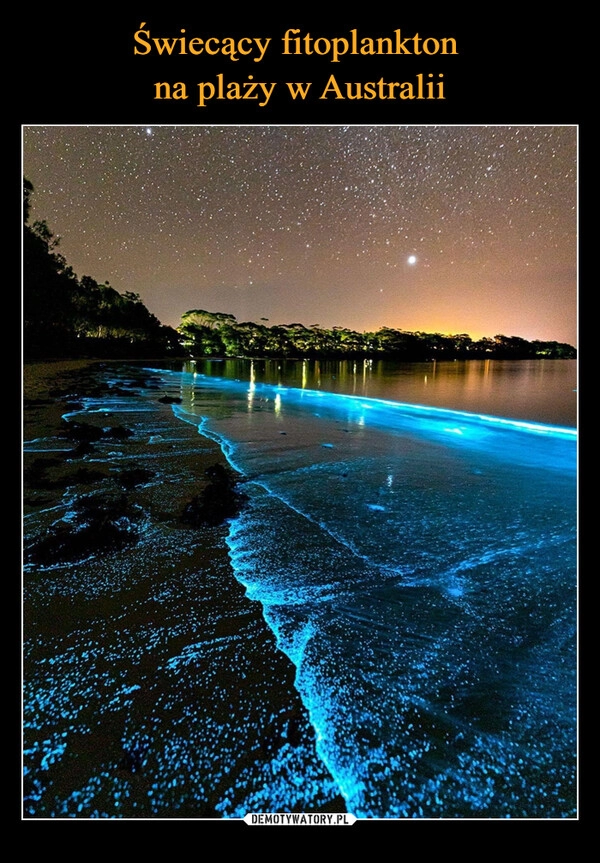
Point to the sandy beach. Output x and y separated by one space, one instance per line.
152 686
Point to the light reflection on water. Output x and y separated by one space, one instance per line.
417 564
539 390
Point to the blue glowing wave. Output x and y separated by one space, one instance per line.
418 566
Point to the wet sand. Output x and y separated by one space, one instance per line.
153 686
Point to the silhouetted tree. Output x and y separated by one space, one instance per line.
67 316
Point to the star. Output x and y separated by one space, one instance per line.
320 218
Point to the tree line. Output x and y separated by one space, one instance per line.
208 334
68 316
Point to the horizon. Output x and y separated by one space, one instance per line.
439 229
267 323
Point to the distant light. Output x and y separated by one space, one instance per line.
411 260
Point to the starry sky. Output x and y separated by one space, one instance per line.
448 229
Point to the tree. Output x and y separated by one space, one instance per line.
48 284
67 316
202 318
27 193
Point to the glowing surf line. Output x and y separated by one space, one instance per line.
368 402
349 788
227 449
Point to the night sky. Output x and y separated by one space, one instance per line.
449 229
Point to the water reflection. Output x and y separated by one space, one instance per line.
417 565
539 390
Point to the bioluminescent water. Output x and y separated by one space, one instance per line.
153 687
418 566
411 571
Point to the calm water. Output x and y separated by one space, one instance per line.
544 391
411 536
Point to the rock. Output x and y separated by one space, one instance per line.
81 432
132 477
118 432
218 501
99 523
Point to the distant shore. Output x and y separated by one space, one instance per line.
153 686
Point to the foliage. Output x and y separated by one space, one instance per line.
64 315
219 334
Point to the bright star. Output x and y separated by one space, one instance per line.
411 260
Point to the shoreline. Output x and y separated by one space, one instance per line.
153 685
